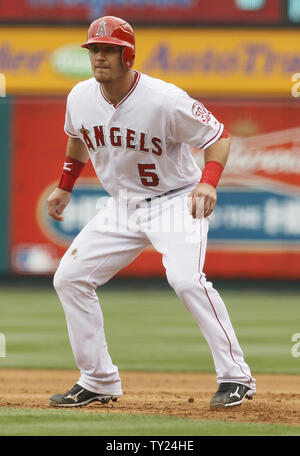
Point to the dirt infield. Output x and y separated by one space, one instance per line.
184 395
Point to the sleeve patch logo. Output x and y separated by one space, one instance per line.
199 112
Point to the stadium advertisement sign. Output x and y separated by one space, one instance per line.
255 228
216 61
183 11
265 210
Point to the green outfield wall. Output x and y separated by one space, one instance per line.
5 153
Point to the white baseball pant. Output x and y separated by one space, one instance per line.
112 240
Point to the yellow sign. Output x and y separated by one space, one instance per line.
222 62
43 60
201 61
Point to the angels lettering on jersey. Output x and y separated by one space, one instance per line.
142 143
99 136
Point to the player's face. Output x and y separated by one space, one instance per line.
106 62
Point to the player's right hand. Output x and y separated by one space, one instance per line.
57 202
202 200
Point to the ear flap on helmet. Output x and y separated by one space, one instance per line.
127 56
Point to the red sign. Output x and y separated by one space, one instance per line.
161 11
38 154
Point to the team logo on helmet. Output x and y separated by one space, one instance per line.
101 29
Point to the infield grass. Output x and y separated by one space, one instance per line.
150 330
28 422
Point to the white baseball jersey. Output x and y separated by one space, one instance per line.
141 144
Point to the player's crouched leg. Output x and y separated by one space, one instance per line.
64 278
209 311
201 299
71 281
86 328
72 286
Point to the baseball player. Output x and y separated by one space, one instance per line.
136 130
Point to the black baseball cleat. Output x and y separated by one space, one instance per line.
231 394
79 396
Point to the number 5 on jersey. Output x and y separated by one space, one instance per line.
148 178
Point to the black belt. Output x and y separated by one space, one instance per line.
167 193
163 194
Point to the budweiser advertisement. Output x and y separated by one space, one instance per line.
255 227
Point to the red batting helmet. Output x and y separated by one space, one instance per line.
113 30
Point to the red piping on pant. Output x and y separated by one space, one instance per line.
214 310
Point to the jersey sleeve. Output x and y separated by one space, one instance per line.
193 124
69 128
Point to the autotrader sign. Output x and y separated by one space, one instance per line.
212 61
223 61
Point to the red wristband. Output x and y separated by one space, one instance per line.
211 173
224 134
71 170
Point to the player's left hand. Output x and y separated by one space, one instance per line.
202 200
